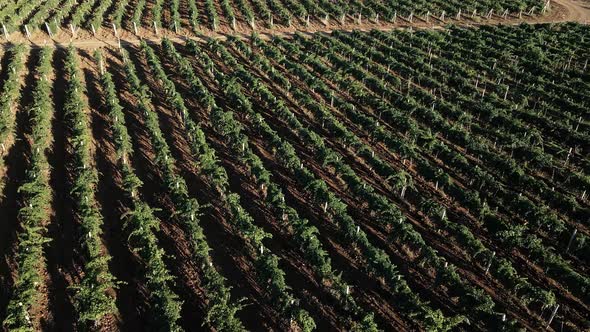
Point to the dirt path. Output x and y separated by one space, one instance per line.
576 10
560 11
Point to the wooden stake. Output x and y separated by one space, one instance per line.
48 30
546 7
135 28
568 156
27 31
490 262
5 31
552 316
115 30
569 244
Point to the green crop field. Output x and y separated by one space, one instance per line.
386 176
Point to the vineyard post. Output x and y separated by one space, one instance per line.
233 23
474 13
93 30
394 17
520 14
411 17
377 19
490 13
175 27
5 31
567 158
342 19
531 11
48 30
360 18
546 7
427 17
155 27
552 316
458 14
506 93
569 244
505 14
135 29
307 21
442 16
490 262
115 30
27 31
73 30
